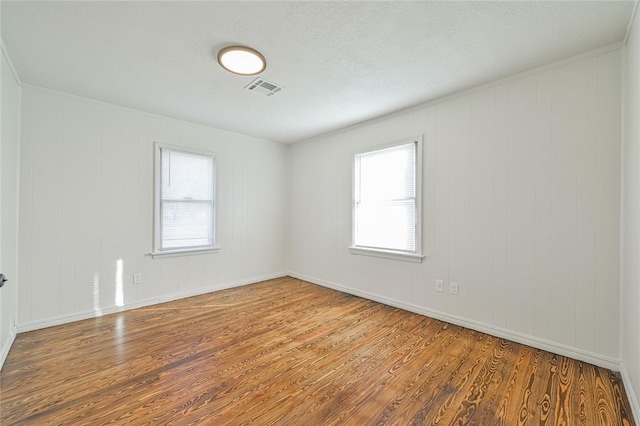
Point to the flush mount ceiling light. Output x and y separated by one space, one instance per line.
241 60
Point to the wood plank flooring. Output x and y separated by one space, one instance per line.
288 352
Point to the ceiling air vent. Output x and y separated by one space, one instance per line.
260 85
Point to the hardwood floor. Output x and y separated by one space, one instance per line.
288 352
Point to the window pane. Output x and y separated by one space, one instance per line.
388 174
386 225
385 209
186 176
186 224
186 200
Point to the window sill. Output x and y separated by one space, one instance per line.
386 254
186 252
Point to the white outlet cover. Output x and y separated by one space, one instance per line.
453 287
137 278
440 286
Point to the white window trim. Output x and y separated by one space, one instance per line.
416 256
387 254
157 252
183 252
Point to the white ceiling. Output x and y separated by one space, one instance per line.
340 62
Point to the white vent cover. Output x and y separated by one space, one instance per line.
260 85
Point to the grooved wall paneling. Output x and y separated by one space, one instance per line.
86 208
521 206
9 185
630 229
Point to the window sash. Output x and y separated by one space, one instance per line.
185 212
400 232
386 196
177 231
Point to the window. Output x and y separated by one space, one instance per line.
184 200
387 208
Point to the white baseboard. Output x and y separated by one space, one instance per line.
525 339
79 316
576 353
6 347
631 395
586 356
82 315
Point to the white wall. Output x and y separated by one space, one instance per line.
521 208
86 201
630 231
9 172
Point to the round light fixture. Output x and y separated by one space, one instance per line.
241 60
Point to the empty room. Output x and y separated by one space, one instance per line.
320 213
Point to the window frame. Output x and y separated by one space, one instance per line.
415 256
157 210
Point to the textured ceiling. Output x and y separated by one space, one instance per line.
340 62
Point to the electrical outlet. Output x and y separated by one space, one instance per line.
137 278
440 286
453 288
